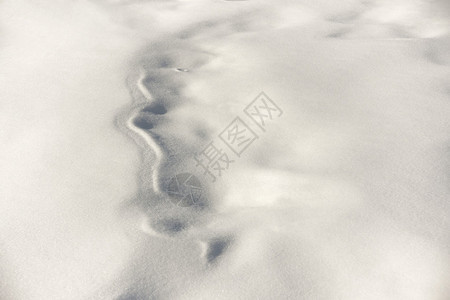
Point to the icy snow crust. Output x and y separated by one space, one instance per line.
104 105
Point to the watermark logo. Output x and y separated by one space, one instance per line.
184 190
213 161
262 110
237 137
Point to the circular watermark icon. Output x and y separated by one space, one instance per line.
184 190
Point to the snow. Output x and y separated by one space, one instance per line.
345 195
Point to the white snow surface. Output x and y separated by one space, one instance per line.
346 195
